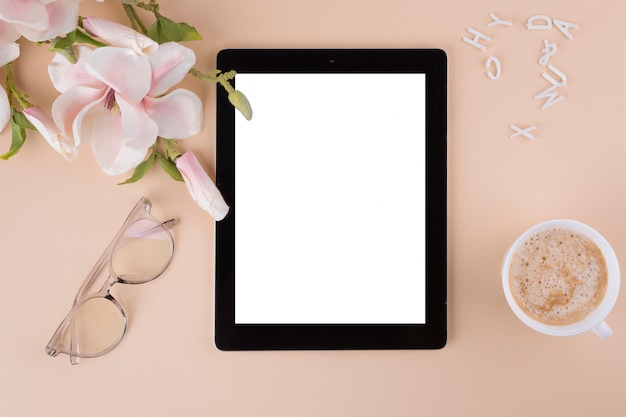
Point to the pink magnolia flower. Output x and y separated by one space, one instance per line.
40 20
202 189
114 96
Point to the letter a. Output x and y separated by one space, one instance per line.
564 27
477 37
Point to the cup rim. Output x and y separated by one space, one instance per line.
600 312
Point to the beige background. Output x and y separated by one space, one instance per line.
57 217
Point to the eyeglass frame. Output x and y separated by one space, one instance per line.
141 211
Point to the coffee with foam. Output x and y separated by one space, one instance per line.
558 276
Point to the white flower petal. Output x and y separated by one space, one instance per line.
65 75
5 109
70 104
27 13
61 18
8 53
119 139
178 114
121 69
50 132
138 128
120 35
8 33
105 131
170 64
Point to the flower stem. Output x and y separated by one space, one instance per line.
13 92
134 18
216 76
151 6
171 149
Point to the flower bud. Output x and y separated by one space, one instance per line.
241 103
202 189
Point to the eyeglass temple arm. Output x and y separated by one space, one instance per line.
74 360
143 204
95 271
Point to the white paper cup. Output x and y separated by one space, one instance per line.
593 321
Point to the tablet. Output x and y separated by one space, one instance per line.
337 232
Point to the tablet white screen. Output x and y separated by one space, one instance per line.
330 199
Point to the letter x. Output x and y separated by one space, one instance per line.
520 131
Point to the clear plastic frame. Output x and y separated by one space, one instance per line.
139 253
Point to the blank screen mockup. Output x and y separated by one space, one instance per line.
330 199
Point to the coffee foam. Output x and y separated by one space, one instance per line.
558 276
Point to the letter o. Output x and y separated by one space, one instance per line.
493 60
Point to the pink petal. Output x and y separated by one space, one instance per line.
5 109
68 105
29 13
50 132
178 114
8 33
65 75
139 130
8 53
122 70
119 139
170 64
120 35
104 128
202 189
61 18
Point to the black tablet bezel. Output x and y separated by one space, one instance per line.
432 334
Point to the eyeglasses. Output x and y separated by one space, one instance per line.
139 253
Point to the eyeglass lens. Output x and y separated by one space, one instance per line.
96 326
99 322
143 253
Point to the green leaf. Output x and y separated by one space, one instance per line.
166 30
140 170
59 43
19 136
22 121
170 167
63 45
84 37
